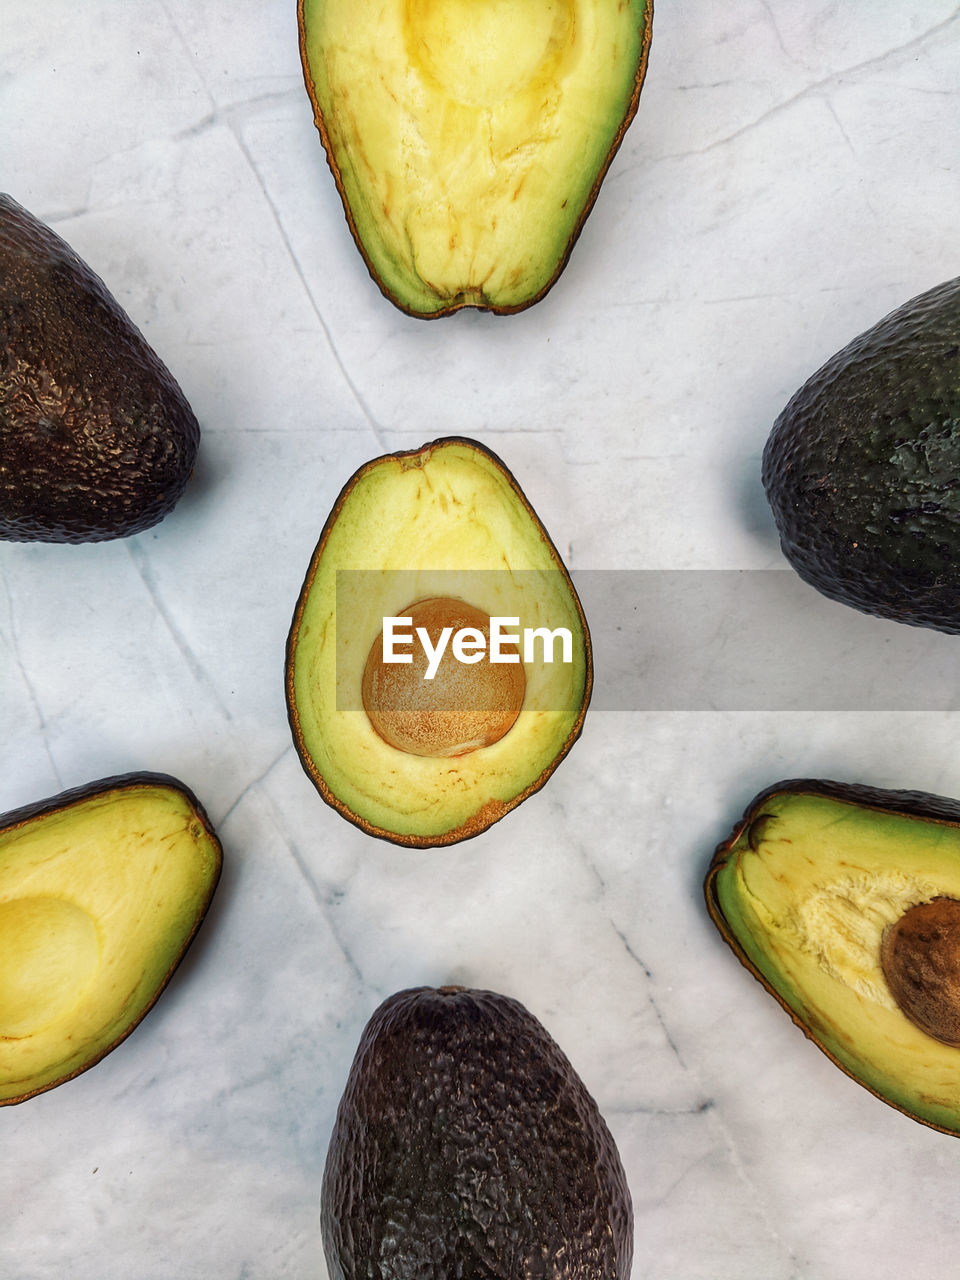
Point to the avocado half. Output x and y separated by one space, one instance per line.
466 1144
844 901
97 440
447 519
861 468
102 889
468 142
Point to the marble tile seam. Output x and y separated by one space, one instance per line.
376 428
59 216
822 87
775 27
321 900
755 1191
10 636
184 44
252 785
201 676
232 432
706 1106
698 1108
652 1001
235 115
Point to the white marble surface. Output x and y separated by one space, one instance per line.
791 176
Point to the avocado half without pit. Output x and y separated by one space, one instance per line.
466 1144
102 889
97 440
439 664
844 901
469 140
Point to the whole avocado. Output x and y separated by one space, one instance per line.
96 438
862 468
466 1146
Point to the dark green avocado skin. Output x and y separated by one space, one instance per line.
96 439
913 804
102 786
862 468
467 1148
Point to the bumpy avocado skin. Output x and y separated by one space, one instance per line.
96 438
466 1145
862 468
40 862
853 857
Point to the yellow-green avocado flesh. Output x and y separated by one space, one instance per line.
803 891
407 525
101 891
469 140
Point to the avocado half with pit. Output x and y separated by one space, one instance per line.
466 1145
102 889
861 468
844 901
469 141
443 537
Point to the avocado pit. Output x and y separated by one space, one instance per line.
465 705
920 958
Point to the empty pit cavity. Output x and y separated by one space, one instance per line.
481 52
50 953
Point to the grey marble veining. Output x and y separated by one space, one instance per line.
790 177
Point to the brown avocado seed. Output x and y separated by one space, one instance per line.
920 958
465 705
